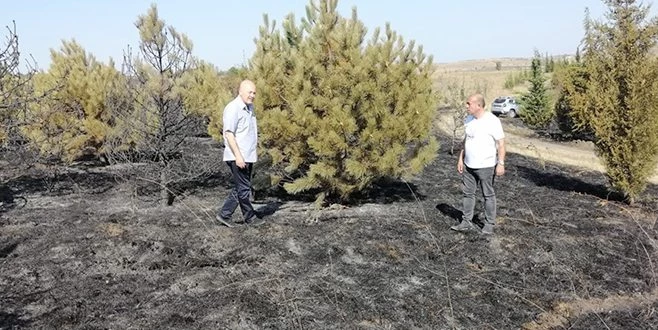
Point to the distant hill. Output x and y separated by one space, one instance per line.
507 63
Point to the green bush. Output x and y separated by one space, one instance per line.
536 112
73 117
516 78
337 112
570 82
616 94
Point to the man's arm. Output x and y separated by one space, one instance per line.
460 162
500 167
233 144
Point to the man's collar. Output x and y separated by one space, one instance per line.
241 103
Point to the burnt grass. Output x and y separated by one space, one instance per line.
87 251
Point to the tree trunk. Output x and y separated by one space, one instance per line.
166 195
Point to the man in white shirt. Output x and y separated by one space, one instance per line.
482 159
240 141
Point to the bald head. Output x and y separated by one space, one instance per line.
478 99
475 105
247 91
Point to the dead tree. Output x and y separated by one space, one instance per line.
15 88
155 113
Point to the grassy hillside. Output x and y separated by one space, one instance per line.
482 76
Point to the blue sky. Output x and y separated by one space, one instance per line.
223 31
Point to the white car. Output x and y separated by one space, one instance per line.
505 105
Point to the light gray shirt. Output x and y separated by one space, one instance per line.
241 120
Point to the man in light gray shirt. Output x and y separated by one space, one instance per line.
240 141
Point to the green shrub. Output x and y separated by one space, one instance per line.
337 112
619 100
516 78
536 112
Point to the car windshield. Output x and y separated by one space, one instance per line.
500 100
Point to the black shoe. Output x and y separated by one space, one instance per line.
254 221
225 222
463 226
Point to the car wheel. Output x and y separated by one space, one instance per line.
512 113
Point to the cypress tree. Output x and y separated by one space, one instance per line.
620 103
571 82
551 65
535 110
339 112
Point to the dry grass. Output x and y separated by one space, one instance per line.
507 63
481 76
563 312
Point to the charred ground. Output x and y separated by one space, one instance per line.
88 251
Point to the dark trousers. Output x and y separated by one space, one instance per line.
240 193
484 178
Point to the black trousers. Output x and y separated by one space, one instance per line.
241 193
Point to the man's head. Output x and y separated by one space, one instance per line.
247 91
475 105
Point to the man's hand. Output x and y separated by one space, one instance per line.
233 144
240 162
460 162
500 170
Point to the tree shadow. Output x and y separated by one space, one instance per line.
563 182
387 191
6 197
60 184
11 321
268 209
213 180
450 211
457 215
383 191
6 251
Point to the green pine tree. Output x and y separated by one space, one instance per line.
73 118
551 64
204 90
339 112
620 102
536 112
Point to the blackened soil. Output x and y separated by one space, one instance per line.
85 252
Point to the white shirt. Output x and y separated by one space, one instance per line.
241 120
480 140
